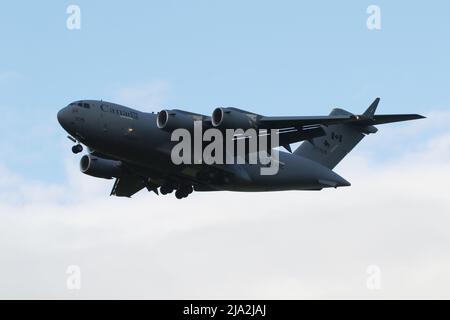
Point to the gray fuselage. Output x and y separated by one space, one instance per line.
131 136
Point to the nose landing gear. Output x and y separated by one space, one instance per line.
76 148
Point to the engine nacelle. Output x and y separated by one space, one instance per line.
100 168
169 120
228 118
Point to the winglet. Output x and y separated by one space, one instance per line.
370 112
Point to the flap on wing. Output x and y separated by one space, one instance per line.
293 135
127 186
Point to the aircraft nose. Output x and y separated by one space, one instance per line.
63 117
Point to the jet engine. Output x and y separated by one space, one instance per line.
169 120
99 167
231 118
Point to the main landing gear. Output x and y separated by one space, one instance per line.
182 191
165 190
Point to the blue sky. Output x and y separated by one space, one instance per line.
275 58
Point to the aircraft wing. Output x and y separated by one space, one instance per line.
387 118
309 121
127 186
285 122
290 135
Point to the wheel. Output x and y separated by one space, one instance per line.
179 194
77 148
165 190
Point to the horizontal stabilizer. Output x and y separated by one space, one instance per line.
342 136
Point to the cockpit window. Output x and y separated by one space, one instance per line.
81 105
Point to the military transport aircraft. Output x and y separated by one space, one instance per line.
135 147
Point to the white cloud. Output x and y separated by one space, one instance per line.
395 215
146 97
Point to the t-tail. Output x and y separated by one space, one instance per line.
340 139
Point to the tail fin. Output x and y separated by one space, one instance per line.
370 112
340 139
